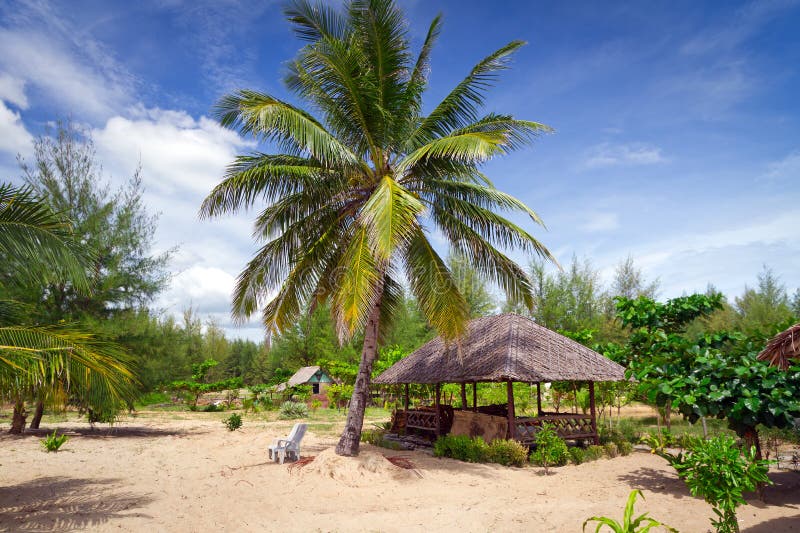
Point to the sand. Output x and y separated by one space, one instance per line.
194 475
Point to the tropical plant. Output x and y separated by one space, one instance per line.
52 443
462 447
720 472
507 452
640 524
290 410
551 450
38 361
354 195
233 422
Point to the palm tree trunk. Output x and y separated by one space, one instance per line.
37 415
18 419
351 436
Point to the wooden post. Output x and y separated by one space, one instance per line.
406 398
512 425
463 396
594 413
474 397
538 399
438 408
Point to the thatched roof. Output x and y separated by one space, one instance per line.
500 348
782 347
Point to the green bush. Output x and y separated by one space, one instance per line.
508 453
720 472
551 450
577 455
51 443
462 447
152 398
290 410
593 453
233 422
611 449
630 430
213 408
625 448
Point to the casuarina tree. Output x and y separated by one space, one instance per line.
361 179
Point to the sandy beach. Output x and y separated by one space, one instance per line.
153 473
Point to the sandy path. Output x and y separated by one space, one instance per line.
196 476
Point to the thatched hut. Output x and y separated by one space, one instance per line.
504 348
783 347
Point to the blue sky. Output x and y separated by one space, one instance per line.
677 124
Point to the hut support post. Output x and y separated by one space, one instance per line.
438 407
538 399
474 397
406 397
594 413
463 396
512 426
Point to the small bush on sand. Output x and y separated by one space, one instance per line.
611 450
625 448
551 450
577 455
593 453
461 447
233 422
290 410
51 443
508 453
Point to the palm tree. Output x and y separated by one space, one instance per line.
353 197
49 362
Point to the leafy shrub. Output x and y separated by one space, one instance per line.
610 435
339 395
611 449
290 410
551 450
720 472
630 430
51 443
640 524
462 447
657 441
625 448
213 408
593 453
233 422
315 404
577 455
508 453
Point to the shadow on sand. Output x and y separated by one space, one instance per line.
66 504
654 480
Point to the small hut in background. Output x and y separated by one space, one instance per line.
508 349
783 347
314 376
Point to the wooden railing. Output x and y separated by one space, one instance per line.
425 420
567 426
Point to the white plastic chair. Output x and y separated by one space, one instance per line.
290 445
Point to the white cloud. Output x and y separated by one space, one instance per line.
14 138
12 90
600 222
209 288
787 169
608 154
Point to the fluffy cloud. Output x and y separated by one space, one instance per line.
14 138
608 154
12 90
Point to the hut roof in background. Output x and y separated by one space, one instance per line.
782 347
500 348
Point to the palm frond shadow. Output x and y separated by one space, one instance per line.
67 504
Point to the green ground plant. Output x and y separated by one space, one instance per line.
551 450
720 472
462 447
52 443
508 453
577 455
629 524
593 453
291 410
233 422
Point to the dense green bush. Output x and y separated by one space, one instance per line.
625 448
290 410
233 422
577 455
462 447
593 453
213 408
508 453
551 450
630 430
611 449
